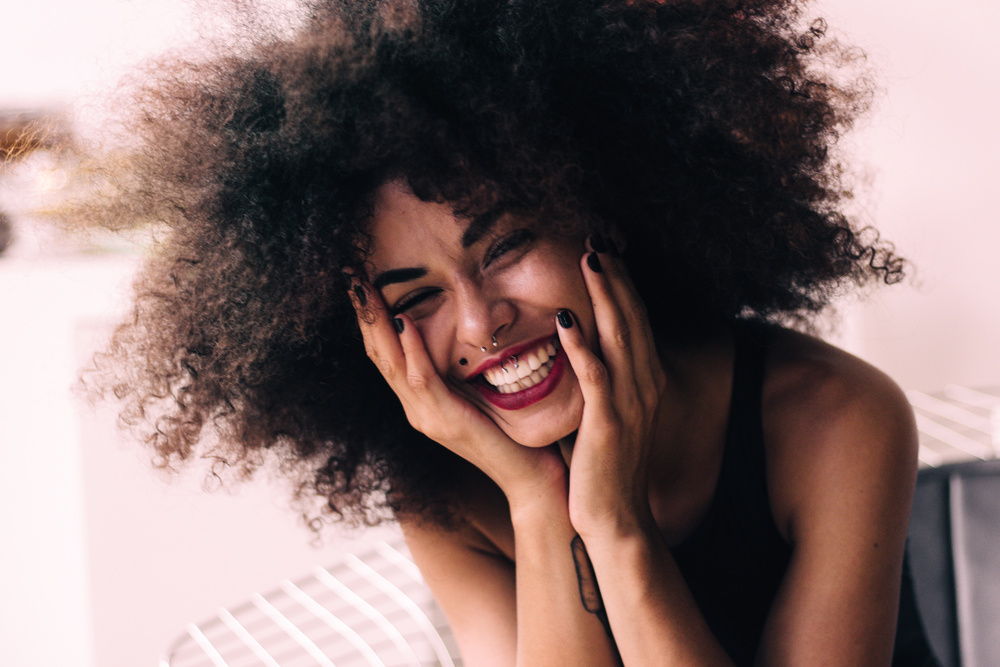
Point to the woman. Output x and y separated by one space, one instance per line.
565 233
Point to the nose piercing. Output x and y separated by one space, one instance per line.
493 340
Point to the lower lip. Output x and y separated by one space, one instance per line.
523 399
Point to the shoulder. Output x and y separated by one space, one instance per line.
839 433
479 523
469 567
841 464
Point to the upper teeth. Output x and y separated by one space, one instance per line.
523 371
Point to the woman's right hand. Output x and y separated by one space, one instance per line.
525 474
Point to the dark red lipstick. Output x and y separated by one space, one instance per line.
526 397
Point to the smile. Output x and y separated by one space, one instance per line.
522 371
522 379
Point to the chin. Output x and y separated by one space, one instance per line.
544 428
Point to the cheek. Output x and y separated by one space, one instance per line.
437 339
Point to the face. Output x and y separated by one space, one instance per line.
462 284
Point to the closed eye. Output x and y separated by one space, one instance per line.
411 301
507 243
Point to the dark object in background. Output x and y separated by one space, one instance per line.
6 232
954 549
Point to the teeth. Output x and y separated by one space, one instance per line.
532 368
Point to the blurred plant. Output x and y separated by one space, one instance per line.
52 182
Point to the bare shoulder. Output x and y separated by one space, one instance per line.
838 431
469 567
481 524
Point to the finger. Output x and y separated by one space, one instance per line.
631 308
421 376
615 333
591 373
620 281
381 341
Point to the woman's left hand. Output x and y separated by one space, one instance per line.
622 390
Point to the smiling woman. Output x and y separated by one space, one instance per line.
567 234
490 297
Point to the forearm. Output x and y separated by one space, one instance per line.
652 613
554 625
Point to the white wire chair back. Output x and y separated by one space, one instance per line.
369 609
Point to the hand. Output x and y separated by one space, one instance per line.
431 407
622 392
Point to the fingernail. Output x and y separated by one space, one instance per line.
360 293
612 248
564 318
597 243
594 263
398 323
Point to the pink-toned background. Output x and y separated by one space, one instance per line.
103 561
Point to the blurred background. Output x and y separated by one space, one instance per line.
105 560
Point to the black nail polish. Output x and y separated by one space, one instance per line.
360 293
564 318
594 263
597 243
463 361
398 323
613 248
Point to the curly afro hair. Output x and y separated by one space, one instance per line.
702 130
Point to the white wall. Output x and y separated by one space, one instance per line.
106 560
103 562
932 147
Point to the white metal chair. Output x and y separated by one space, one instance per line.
371 608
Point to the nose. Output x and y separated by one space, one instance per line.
481 315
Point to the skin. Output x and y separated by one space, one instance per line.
625 453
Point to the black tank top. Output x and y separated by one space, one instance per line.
735 559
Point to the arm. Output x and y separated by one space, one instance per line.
845 467
843 476
628 411
530 614
842 462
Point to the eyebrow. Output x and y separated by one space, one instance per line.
480 225
397 276
477 229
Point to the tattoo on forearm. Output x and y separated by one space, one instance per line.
590 593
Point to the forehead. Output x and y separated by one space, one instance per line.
402 224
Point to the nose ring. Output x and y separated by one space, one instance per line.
493 339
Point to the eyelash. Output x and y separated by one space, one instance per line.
513 240
498 249
410 302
